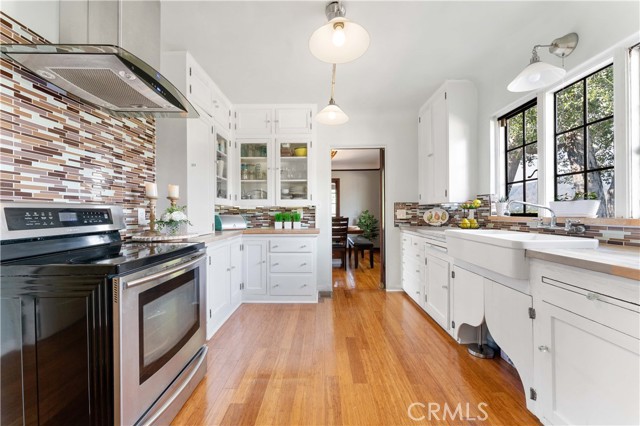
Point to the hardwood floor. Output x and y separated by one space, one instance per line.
360 358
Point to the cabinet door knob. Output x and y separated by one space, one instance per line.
303 285
264 261
592 296
228 269
543 348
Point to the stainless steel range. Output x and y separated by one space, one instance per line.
96 330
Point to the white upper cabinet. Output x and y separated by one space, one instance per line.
446 147
253 121
221 108
199 89
223 166
260 120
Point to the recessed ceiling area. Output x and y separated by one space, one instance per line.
356 159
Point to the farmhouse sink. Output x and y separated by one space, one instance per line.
503 251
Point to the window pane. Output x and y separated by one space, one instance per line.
514 165
532 195
531 123
568 186
514 192
569 107
600 95
600 145
570 152
514 131
531 161
602 183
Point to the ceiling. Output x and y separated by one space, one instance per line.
356 159
257 52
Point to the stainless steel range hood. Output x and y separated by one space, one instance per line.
106 76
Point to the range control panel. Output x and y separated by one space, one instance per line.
23 218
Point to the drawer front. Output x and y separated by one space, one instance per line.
291 245
291 263
292 285
613 313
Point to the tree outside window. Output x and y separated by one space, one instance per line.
584 140
521 152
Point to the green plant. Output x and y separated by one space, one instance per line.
286 217
369 225
172 218
503 199
297 217
277 217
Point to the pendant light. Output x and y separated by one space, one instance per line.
540 74
332 115
340 40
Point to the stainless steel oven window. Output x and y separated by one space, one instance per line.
169 316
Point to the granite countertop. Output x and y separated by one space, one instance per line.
223 235
620 261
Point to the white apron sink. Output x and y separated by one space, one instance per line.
503 251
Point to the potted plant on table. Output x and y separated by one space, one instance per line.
286 220
277 224
583 204
297 218
172 219
369 225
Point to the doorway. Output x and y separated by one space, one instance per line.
357 187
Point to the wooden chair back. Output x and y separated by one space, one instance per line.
339 228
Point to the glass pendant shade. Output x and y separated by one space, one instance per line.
339 41
535 76
332 115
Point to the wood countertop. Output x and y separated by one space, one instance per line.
224 235
620 261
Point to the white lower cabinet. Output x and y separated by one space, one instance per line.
223 282
413 281
436 302
586 346
467 305
280 269
255 267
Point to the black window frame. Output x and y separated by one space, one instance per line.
527 210
584 127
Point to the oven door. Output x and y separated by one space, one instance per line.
159 326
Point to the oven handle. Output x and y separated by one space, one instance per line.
164 273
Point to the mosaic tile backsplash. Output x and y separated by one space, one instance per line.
606 234
56 148
262 217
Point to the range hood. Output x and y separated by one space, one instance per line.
106 76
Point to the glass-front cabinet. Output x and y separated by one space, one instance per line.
255 177
223 167
293 171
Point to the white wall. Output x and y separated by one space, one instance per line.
39 16
397 132
359 191
600 25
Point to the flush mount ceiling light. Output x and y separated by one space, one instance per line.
540 74
332 115
340 40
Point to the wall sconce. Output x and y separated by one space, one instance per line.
539 74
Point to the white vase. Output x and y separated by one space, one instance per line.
220 166
501 208
286 225
576 208
277 225
297 225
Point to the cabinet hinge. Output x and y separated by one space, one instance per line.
533 395
532 313
453 274
211 129
209 260
241 286
445 192
189 71
241 247
311 144
311 196
445 95
189 88
453 324
209 313
235 126
235 114
419 120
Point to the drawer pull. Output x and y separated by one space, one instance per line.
264 261
228 269
276 285
303 264
543 348
275 264
445 286
303 285
418 270
417 255
274 246
303 246
592 296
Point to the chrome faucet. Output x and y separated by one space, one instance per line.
552 224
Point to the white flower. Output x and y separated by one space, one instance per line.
166 217
178 216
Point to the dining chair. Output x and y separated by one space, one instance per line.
339 227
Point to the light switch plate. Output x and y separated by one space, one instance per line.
142 219
401 214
